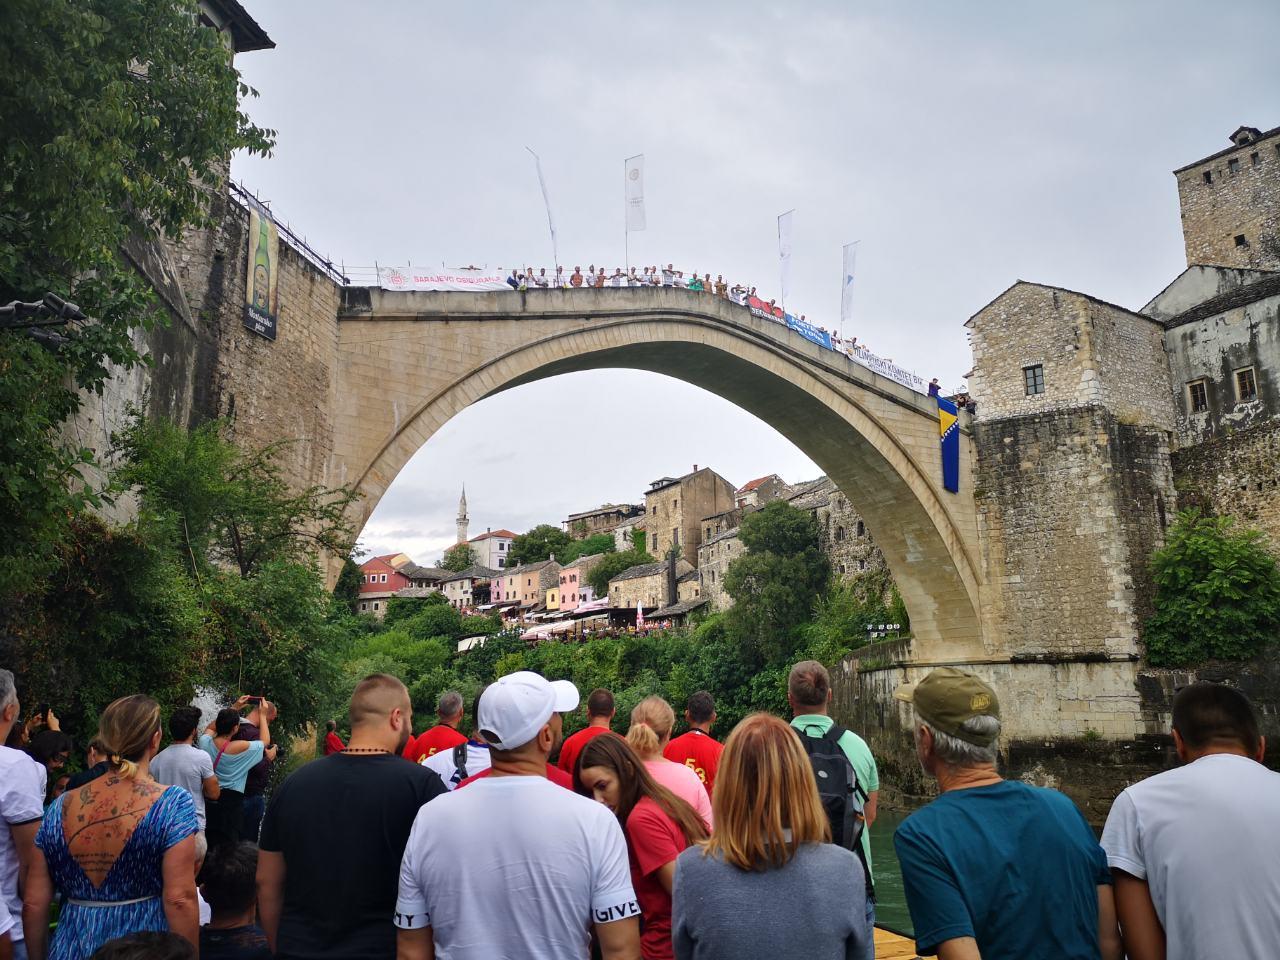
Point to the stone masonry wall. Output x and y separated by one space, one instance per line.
1242 200
272 390
1070 505
1236 474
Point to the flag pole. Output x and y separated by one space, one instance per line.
626 232
546 200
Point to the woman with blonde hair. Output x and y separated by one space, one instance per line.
121 848
652 721
658 825
769 883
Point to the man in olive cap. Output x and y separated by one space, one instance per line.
995 868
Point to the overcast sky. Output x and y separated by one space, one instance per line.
965 146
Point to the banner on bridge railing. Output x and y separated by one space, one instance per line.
426 278
886 369
809 331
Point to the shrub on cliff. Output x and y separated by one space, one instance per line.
1217 593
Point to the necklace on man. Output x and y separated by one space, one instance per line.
366 750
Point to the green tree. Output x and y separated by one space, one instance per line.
1217 593
347 589
776 583
458 557
120 128
402 608
538 544
586 547
612 565
218 505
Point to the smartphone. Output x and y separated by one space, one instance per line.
257 700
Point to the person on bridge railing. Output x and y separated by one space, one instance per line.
515 280
575 279
722 288
560 281
542 280
600 278
695 283
669 276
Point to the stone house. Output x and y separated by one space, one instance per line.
676 506
461 588
762 490
602 519
714 557
718 524
645 584
424 577
622 533
532 581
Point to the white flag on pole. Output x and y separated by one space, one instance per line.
634 191
846 285
546 200
785 222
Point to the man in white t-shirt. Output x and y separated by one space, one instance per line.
1195 851
22 786
186 765
515 866
474 758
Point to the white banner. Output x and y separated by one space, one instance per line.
633 183
546 199
846 286
887 369
785 222
426 278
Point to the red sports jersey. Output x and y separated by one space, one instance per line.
573 745
431 742
698 751
558 777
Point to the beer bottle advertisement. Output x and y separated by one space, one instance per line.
261 304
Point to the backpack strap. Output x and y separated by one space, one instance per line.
460 761
835 733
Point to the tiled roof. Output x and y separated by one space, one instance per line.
1240 297
676 609
748 487
475 572
641 570
726 535
506 534
686 577
415 572
1231 149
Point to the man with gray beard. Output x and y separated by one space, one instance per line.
995 869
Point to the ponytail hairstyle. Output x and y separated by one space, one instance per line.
634 781
652 721
126 729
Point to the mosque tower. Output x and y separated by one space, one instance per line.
462 516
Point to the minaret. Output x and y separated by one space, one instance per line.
462 516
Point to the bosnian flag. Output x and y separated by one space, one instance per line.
639 616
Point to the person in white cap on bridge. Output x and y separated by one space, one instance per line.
514 865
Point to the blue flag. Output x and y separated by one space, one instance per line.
949 432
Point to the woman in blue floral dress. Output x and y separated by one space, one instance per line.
121 848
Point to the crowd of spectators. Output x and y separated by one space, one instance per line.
475 845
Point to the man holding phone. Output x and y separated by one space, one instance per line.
255 787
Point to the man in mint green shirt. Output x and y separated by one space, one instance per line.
809 693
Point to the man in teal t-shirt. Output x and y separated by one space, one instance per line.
809 693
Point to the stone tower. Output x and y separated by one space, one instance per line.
1231 203
463 520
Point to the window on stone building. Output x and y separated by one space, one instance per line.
862 530
1208 176
364 606
1253 158
1198 393
1033 379
375 605
1246 385
675 536
1233 165
840 536
862 564
1241 241
674 504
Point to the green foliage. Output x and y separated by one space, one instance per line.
458 557
612 565
347 589
587 547
114 616
215 504
120 127
433 620
776 583
538 544
1217 593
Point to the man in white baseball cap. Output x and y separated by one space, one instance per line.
554 861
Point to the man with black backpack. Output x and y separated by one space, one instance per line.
463 760
848 782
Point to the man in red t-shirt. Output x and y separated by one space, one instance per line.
332 742
600 712
444 735
696 749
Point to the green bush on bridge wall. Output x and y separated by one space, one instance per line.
1217 593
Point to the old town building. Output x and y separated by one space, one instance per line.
462 588
676 506
647 585
602 519
756 493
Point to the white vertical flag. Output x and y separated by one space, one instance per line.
633 183
546 200
846 284
784 251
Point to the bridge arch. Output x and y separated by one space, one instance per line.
434 355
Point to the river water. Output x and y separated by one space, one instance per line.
891 901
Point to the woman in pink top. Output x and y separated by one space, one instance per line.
651 724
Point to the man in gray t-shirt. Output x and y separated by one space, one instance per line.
186 765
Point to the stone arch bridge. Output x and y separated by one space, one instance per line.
407 362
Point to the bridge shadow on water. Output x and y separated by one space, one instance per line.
891 899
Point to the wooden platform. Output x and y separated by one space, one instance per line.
894 946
